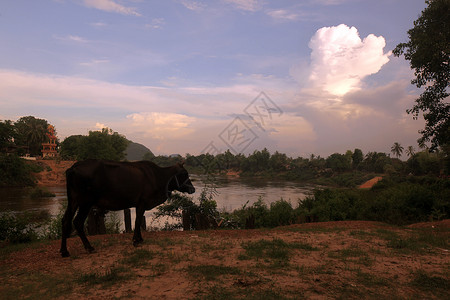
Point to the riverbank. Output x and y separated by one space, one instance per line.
54 172
350 260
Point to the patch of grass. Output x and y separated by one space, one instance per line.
276 251
37 286
352 252
138 258
361 234
218 292
370 280
221 246
312 229
321 269
211 272
158 269
428 283
418 241
7 248
108 278
164 243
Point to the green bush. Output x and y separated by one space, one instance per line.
16 228
280 213
178 203
393 200
14 171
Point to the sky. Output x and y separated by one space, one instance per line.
183 76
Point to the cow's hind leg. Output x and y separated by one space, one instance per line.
83 212
66 229
137 237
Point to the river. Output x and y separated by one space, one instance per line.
232 193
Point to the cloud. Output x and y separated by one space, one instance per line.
186 118
156 23
161 125
100 126
246 5
94 62
99 24
111 6
340 59
283 15
193 5
71 38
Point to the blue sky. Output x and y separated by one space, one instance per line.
299 77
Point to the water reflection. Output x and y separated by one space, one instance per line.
232 193
19 200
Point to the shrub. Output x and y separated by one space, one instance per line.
280 213
14 171
16 228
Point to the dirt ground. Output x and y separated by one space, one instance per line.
54 173
332 260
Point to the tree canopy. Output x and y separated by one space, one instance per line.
428 51
105 144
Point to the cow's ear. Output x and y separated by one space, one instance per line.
181 163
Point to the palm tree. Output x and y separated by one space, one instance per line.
397 149
410 151
31 133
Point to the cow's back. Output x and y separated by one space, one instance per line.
110 185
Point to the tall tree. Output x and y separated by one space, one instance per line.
104 144
30 132
6 134
397 149
428 51
410 151
357 157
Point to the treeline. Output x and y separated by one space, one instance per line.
349 169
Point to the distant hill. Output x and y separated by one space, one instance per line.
136 151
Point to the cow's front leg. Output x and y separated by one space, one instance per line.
137 237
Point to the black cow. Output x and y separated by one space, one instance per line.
112 185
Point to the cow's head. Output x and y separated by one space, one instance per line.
181 181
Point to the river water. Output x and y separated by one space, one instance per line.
232 193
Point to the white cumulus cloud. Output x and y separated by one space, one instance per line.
340 59
161 125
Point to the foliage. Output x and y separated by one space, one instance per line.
428 52
104 144
112 222
14 171
397 149
178 203
16 228
6 134
31 132
54 225
396 201
426 163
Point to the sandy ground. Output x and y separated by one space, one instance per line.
54 173
370 183
347 260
